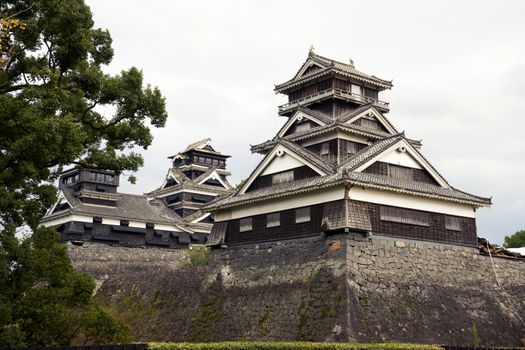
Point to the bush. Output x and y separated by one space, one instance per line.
289 346
199 256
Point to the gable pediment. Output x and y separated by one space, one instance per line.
298 118
279 160
403 154
214 178
373 119
308 68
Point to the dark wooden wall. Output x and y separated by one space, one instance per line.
436 231
263 181
288 228
420 175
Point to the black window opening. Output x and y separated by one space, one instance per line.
245 225
302 215
404 216
370 123
100 177
325 148
452 223
400 172
197 198
71 179
273 220
173 199
282 177
124 222
97 220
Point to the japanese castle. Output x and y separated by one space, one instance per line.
339 165
336 165
90 208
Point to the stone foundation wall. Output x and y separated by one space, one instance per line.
406 290
337 288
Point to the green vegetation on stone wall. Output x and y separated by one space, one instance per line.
289 346
199 256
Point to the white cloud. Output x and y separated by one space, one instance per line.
458 71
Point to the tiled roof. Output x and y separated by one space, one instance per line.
309 156
338 123
345 174
128 207
371 151
415 187
280 190
319 130
332 65
325 118
352 215
199 146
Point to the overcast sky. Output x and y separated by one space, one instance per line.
458 70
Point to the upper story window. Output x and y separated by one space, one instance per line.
302 215
302 127
245 225
356 89
351 147
72 179
285 176
400 172
273 220
370 123
100 177
404 216
452 223
325 148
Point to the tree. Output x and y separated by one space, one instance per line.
52 89
517 240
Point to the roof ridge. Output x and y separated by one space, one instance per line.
352 113
321 161
373 149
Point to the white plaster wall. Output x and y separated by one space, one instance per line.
300 200
410 202
400 158
68 218
278 164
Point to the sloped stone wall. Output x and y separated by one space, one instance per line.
337 288
401 290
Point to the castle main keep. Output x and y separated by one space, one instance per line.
343 232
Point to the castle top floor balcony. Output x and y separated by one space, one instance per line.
332 93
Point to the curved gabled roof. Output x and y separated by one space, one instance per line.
328 66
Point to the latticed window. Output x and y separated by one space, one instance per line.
370 123
404 216
302 215
356 89
452 223
245 224
302 127
351 147
273 220
325 148
285 176
399 172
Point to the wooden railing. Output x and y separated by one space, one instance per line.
332 92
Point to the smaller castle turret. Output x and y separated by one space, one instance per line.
90 208
197 176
